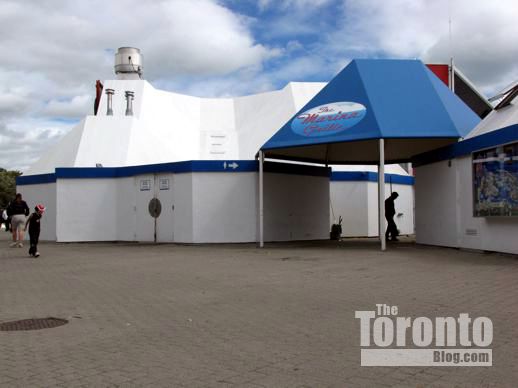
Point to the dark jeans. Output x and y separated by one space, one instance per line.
391 229
34 237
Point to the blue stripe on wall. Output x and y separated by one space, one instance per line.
35 179
359 176
176 167
466 147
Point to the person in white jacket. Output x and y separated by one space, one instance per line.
3 219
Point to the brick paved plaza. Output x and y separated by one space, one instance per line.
234 315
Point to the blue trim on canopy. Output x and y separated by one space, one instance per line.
403 99
370 176
487 140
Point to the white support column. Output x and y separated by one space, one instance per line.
261 199
381 194
452 75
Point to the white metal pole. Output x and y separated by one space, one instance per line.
381 194
261 199
452 75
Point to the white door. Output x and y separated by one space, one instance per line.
165 221
145 225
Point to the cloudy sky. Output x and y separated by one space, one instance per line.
54 50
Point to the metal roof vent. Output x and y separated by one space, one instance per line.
128 63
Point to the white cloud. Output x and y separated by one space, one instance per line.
178 36
285 4
73 108
483 34
53 51
10 102
201 37
22 142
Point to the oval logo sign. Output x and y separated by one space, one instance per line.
328 119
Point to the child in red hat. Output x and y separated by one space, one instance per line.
33 222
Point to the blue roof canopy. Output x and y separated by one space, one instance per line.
401 101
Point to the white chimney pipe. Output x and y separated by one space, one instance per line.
129 102
109 94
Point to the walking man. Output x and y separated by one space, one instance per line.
390 212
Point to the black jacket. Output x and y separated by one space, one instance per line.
18 208
390 209
34 224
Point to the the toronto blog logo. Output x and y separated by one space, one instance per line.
389 339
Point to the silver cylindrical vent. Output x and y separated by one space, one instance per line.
109 109
129 63
129 102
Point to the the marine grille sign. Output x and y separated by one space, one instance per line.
328 119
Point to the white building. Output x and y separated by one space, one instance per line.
467 194
195 155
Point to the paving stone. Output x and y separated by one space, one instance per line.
234 315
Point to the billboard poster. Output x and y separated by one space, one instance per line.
495 181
